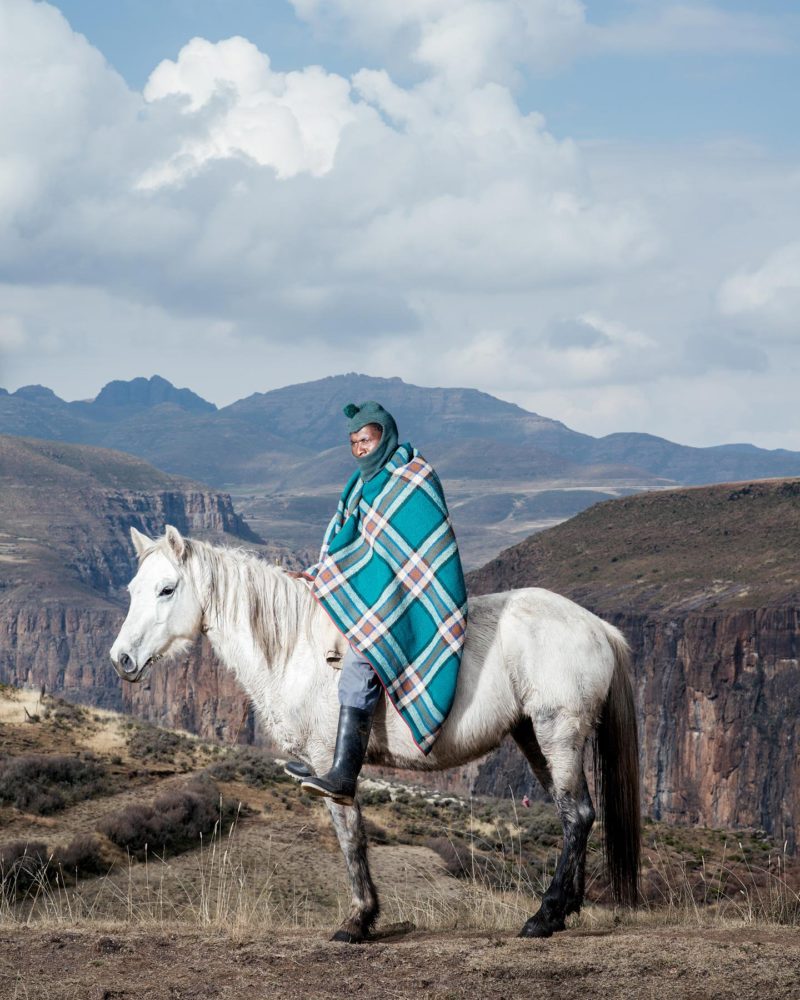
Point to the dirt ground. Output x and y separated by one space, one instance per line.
653 963
151 930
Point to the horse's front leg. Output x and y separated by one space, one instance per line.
349 825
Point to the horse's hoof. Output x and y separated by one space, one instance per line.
533 929
347 937
537 928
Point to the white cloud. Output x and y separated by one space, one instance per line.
769 295
466 42
469 42
289 121
60 108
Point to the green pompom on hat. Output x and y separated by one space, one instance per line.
371 412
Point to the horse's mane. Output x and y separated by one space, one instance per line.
235 586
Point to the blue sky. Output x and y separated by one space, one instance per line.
590 209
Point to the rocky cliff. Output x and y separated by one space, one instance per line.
65 558
705 584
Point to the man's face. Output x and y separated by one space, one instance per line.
363 441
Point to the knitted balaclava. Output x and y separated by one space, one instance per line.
373 413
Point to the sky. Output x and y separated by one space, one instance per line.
591 209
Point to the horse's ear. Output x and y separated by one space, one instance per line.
176 542
140 542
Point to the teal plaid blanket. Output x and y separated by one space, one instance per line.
390 577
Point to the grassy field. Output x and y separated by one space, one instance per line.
118 837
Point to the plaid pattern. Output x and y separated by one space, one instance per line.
390 577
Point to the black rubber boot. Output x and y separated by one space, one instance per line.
352 738
297 769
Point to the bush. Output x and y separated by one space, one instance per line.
40 784
374 796
252 766
462 862
162 745
376 833
23 863
173 823
82 856
64 713
456 856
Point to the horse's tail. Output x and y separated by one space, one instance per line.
616 770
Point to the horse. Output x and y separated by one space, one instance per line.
535 665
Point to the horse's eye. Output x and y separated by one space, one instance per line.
166 592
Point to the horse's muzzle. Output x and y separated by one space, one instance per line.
128 669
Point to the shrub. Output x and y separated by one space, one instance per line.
162 745
23 863
456 856
374 796
252 766
64 713
462 862
376 833
83 856
224 770
40 784
173 823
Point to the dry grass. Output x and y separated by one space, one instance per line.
219 888
17 704
440 862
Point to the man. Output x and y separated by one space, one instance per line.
389 575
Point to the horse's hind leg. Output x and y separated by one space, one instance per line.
554 750
349 825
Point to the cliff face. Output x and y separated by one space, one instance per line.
104 561
704 585
65 559
718 697
61 647
66 649
195 693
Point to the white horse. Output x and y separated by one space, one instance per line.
534 665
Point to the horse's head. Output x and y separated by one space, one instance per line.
165 612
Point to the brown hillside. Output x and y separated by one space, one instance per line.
730 546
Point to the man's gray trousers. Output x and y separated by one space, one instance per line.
359 686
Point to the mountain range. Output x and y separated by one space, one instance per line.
282 454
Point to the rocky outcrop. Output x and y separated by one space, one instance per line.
704 585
